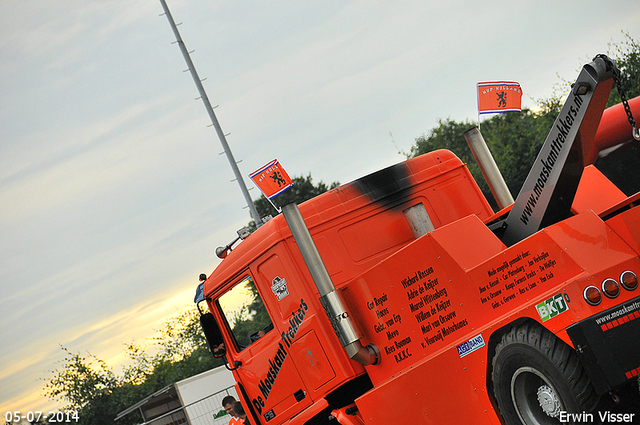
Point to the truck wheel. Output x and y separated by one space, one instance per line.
536 377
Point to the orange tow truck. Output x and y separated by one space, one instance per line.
403 297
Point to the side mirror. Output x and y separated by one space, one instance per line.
213 335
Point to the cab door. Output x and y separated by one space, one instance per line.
295 313
260 352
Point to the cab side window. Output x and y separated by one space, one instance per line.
245 313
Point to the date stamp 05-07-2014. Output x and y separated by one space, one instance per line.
50 417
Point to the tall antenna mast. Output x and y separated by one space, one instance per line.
214 120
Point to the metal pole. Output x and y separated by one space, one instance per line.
418 220
214 120
488 166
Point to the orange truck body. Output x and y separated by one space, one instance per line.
435 306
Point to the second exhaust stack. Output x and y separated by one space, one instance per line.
488 166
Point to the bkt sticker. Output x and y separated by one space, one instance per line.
552 307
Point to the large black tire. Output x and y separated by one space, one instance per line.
536 376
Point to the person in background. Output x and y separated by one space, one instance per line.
227 404
239 411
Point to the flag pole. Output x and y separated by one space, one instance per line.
478 103
274 206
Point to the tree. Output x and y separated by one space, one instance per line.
626 55
87 385
514 141
181 351
303 189
81 380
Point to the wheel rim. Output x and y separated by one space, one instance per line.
534 398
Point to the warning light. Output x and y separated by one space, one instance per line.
629 280
592 295
610 288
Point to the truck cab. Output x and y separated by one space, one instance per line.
354 226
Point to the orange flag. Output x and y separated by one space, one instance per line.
271 179
495 97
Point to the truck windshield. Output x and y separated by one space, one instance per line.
245 313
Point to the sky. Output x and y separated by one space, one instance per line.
113 192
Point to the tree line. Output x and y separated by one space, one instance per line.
88 385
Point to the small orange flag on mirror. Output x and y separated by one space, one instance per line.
271 179
495 97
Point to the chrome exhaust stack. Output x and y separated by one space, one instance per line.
334 306
488 166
